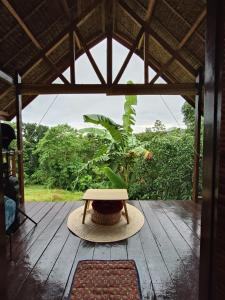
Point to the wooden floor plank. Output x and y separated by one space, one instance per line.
28 226
85 251
186 212
119 250
165 252
102 251
55 285
181 226
29 206
170 256
31 232
183 249
159 273
46 262
25 265
135 252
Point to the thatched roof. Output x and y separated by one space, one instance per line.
34 37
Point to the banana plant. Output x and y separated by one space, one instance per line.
124 147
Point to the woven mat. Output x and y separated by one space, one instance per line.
93 232
106 279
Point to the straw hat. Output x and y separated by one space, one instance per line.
93 232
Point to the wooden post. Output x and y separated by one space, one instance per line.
3 240
212 250
109 60
197 139
109 13
146 43
19 137
72 57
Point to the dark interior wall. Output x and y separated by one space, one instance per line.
212 261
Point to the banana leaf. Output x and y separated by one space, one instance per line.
116 180
115 130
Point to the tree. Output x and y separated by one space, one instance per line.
62 152
159 126
189 116
32 134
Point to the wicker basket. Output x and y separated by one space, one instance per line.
105 219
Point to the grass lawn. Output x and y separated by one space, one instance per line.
41 193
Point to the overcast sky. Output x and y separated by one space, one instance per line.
52 109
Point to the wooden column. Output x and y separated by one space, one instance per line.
212 254
146 47
109 13
109 60
3 240
19 137
197 141
72 57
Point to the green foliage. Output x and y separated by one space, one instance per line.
119 156
32 134
169 176
129 112
116 180
158 126
113 128
58 157
189 116
62 157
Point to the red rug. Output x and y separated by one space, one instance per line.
105 279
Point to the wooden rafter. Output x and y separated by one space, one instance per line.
50 77
60 38
89 55
119 89
136 41
146 50
71 41
182 18
6 78
56 42
109 17
4 115
184 40
30 35
169 78
157 38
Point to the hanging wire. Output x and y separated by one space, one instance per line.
173 116
170 111
48 108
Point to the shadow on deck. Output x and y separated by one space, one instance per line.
166 251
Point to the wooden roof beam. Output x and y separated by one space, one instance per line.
157 38
119 89
181 44
4 116
154 65
30 35
6 78
71 41
109 18
60 38
182 18
89 55
136 41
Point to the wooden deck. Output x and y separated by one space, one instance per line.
166 251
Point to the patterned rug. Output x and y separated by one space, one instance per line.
106 279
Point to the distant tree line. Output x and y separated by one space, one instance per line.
67 158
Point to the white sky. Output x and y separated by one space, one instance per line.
71 108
